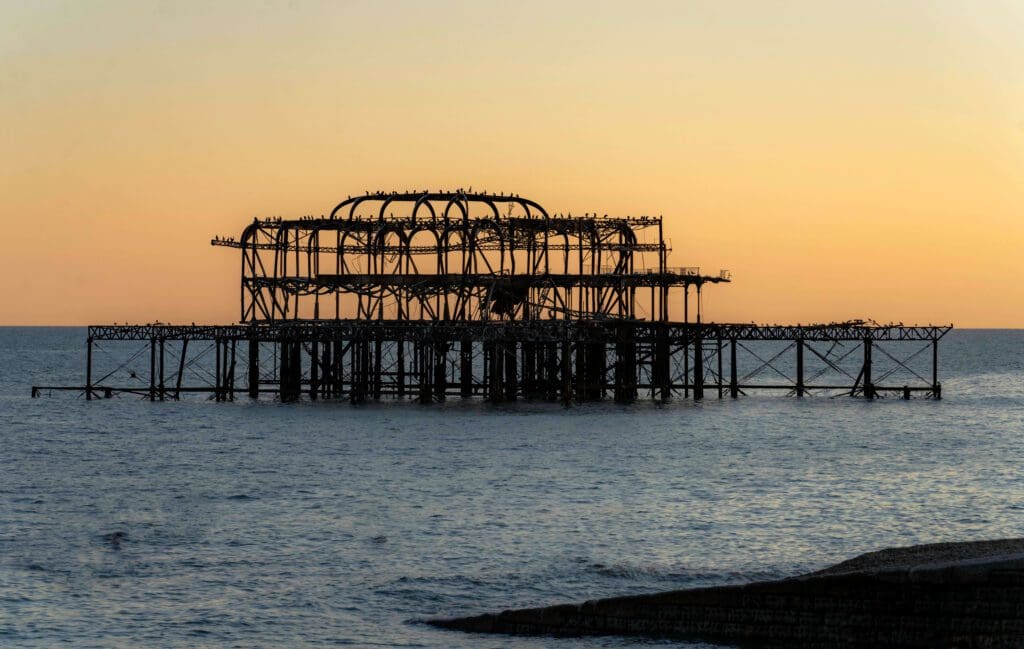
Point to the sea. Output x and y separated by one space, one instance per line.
126 523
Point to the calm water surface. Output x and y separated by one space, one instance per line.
128 523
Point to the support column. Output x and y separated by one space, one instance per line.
466 367
800 367
698 366
734 387
181 369
161 391
869 388
291 371
365 370
217 376
496 356
314 371
662 364
597 366
439 364
529 378
719 351
551 371
326 369
625 365
582 374
511 371
152 369
378 368
88 369
283 371
231 369
423 355
400 366
566 373
936 386
338 365
354 372
254 369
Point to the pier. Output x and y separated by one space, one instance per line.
480 296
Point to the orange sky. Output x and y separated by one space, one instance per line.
844 159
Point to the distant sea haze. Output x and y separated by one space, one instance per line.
125 523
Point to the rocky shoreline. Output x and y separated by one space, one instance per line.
968 595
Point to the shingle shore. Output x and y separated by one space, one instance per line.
967 595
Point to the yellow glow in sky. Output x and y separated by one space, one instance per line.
842 159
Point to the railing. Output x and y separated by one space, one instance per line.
687 271
690 271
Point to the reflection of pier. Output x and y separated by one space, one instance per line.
511 304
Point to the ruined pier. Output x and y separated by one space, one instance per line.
476 295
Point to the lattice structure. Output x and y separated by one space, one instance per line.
457 256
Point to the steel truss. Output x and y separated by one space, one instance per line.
465 294
557 360
456 256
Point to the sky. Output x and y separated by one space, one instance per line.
842 159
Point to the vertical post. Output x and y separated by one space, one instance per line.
799 367
662 388
400 360
936 387
152 369
364 369
485 376
466 368
529 364
511 371
566 373
869 388
254 368
440 368
231 369
424 353
217 371
323 361
719 351
161 390
686 344
597 368
291 371
698 366
88 369
181 369
378 366
339 366
353 372
734 387
314 370
582 354
686 365
497 369
625 364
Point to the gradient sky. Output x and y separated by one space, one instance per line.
853 159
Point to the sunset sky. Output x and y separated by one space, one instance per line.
844 160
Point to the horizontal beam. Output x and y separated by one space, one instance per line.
355 281
519 330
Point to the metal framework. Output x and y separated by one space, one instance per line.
456 256
467 295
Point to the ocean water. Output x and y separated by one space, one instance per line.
125 523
